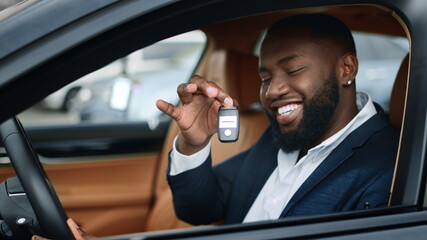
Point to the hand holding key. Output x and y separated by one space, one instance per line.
198 114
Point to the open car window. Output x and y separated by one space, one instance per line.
380 57
125 90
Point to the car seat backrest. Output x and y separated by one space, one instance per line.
398 95
236 73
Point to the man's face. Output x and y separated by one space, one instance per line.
299 90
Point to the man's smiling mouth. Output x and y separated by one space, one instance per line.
287 109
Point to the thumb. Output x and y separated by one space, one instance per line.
169 109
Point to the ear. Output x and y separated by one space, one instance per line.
348 69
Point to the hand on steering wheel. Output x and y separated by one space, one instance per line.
43 199
78 233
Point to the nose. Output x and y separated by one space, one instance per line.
278 87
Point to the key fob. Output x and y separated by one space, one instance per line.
228 124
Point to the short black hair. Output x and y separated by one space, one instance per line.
324 28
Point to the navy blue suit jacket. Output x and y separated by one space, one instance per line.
356 175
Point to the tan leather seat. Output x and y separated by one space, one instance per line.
237 74
398 95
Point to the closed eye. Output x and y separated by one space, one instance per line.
295 71
265 79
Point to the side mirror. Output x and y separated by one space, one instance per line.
120 93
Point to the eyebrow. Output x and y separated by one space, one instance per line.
281 61
287 59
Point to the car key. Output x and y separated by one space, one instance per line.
228 124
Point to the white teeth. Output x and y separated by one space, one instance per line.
287 109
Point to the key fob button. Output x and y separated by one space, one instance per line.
227 132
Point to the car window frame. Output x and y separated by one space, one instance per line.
410 176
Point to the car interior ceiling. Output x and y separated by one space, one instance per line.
230 62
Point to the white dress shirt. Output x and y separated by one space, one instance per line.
289 174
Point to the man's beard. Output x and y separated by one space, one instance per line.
315 121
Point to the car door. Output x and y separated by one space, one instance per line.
74 151
101 152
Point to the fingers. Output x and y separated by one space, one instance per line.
78 233
35 237
185 92
75 229
199 85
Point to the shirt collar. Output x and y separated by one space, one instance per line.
366 110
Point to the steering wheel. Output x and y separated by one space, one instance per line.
43 198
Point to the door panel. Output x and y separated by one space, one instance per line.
107 197
106 191
64 141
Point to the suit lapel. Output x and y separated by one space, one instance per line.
260 163
340 154
335 159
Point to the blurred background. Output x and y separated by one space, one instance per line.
126 89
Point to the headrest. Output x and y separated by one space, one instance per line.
236 73
398 95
